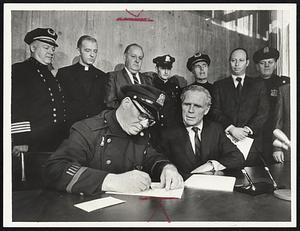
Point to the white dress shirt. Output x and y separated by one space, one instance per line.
131 77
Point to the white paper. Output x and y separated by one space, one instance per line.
155 191
210 182
98 203
243 145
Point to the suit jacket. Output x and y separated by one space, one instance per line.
82 102
176 145
116 80
250 110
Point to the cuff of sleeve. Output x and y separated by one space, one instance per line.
157 169
250 130
228 128
216 165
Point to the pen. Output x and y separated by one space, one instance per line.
248 178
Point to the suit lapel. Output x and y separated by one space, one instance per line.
188 149
205 139
126 77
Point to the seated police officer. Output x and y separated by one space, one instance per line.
38 106
198 64
111 151
170 115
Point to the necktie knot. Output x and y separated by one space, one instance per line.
239 79
195 129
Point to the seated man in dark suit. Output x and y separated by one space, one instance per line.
240 103
130 74
199 145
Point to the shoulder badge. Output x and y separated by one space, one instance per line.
161 99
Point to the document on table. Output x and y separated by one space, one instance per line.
243 145
98 203
155 191
210 182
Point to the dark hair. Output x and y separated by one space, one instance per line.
198 89
239 48
132 45
85 37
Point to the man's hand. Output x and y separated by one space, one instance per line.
170 178
203 168
238 133
18 149
133 181
278 156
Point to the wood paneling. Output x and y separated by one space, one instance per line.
178 33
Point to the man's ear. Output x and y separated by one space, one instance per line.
257 66
247 62
207 110
32 47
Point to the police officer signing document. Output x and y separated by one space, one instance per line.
111 151
38 107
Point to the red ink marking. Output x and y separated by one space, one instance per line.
136 17
160 205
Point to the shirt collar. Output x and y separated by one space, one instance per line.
200 126
129 73
236 76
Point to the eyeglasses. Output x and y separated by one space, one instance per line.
143 115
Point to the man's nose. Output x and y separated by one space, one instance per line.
191 108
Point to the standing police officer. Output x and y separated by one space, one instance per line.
170 115
38 107
265 60
198 64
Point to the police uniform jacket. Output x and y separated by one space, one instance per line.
170 114
116 80
38 107
84 91
98 146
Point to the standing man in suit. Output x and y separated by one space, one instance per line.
199 145
83 84
130 74
38 106
170 115
266 63
198 64
240 103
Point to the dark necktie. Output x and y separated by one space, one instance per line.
135 79
239 86
197 143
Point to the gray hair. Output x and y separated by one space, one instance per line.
198 89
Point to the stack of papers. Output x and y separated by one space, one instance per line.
155 191
210 182
243 145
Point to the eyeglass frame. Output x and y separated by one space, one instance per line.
143 115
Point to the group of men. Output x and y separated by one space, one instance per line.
121 130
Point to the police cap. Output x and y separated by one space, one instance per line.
46 35
197 58
265 53
150 98
165 61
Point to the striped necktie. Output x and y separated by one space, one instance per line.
197 143
135 79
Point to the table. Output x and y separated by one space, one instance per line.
195 205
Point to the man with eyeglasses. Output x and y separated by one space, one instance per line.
129 75
111 151
266 63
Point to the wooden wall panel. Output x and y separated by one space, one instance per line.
179 33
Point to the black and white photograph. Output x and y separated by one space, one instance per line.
149 115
